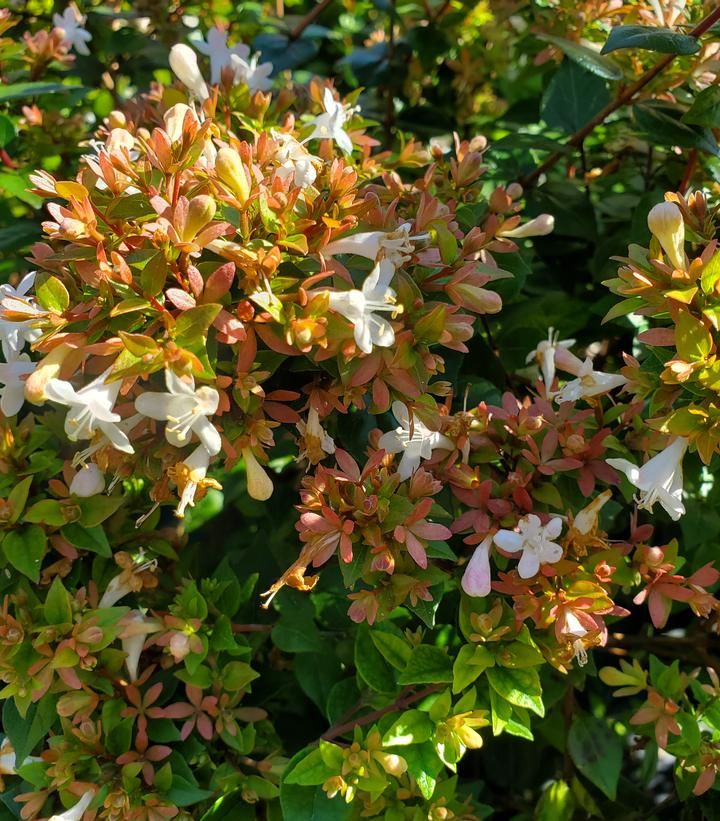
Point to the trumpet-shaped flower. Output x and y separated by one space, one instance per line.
394 246
660 479
316 442
185 410
294 160
76 812
183 62
361 308
215 47
137 627
665 221
71 23
329 124
589 382
413 439
534 540
476 580
553 351
259 484
90 410
190 475
254 74
15 333
12 378
538 227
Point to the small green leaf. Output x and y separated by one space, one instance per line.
394 650
413 727
57 609
87 538
705 109
192 325
597 752
651 38
692 339
24 91
711 274
309 771
7 130
26 732
520 687
24 549
427 665
586 57
18 497
53 295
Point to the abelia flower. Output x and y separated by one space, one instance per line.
539 227
183 62
8 761
394 246
259 484
547 353
90 410
13 374
294 161
361 307
185 409
534 540
18 304
71 23
476 580
190 476
254 74
589 383
134 576
315 440
216 48
660 479
665 221
329 124
136 628
88 481
413 439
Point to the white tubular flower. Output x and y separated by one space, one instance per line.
255 75
535 540
88 481
589 383
538 227
90 410
361 307
414 446
191 474
14 335
71 23
317 444
546 353
665 221
329 125
395 247
216 48
12 378
174 118
128 581
660 479
259 484
587 519
476 580
294 160
185 410
133 637
76 812
183 62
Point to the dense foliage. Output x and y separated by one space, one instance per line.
359 410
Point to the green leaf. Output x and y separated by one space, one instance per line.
692 339
24 549
152 266
427 665
192 325
586 57
597 752
650 38
662 123
237 675
47 512
96 509
370 664
573 98
520 687
424 766
26 732
22 91
88 538
394 649
57 609
470 663
297 633
705 109
413 727
557 803
7 130
53 295
310 770
18 497
710 274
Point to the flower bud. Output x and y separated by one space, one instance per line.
231 171
183 62
259 484
665 222
88 481
174 119
538 227
201 210
479 300
514 190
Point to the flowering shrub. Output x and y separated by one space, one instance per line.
310 506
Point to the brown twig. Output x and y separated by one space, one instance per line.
309 18
689 170
252 628
400 703
624 97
